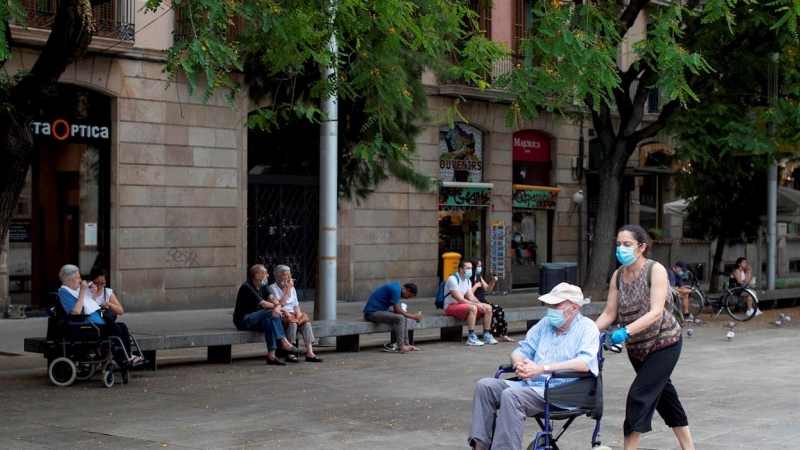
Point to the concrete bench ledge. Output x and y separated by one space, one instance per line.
347 332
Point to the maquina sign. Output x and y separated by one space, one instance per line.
61 130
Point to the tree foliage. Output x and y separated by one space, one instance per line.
383 49
571 53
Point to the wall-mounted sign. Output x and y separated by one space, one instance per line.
89 233
61 130
19 231
461 153
455 198
530 145
534 197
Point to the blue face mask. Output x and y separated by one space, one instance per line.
556 317
479 270
625 255
680 273
264 282
468 274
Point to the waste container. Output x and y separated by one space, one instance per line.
550 274
450 262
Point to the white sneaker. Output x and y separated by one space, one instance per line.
473 341
748 313
489 339
758 312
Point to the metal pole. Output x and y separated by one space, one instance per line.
772 224
772 189
581 234
328 190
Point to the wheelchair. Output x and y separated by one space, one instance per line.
76 348
585 395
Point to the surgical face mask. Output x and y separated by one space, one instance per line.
263 282
626 255
556 317
680 273
468 273
283 283
479 270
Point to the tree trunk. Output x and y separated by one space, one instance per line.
612 170
716 267
71 35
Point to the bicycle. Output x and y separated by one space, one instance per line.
734 300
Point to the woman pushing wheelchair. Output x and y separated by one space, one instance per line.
653 338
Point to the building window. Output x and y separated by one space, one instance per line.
114 19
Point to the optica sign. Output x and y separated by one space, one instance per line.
61 130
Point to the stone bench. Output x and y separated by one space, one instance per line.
347 331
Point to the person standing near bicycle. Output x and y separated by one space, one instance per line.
653 337
741 277
676 282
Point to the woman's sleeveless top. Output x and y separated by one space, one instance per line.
634 302
480 294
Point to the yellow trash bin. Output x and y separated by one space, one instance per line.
450 262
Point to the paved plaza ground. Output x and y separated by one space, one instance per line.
739 394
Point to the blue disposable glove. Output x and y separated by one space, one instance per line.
619 335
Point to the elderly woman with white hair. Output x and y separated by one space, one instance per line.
75 300
294 319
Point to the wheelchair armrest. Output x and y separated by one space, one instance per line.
76 317
571 374
506 368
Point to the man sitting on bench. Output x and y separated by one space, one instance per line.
377 311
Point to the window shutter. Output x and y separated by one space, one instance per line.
519 24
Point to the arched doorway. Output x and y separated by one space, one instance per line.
62 216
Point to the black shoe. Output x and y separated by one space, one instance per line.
313 359
275 362
293 358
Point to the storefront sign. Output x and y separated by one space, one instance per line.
61 130
456 198
20 231
534 197
530 145
461 153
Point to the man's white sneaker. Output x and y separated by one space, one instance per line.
391 348
473 341
489 339
748 313
758 312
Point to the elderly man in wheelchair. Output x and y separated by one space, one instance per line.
560 353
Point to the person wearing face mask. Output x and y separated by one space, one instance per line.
566 340
293 319
676 282
479 289
461 303
653 337
258 310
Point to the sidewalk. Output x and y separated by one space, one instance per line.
739 393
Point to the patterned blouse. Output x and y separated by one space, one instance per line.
634 302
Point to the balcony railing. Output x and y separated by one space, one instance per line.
114 19
183 25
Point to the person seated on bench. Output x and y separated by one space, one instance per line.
676 282
565 341
293 318
257 310
377 311
75 300
461 303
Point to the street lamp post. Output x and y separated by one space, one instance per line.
577 199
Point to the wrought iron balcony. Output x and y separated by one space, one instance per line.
114 19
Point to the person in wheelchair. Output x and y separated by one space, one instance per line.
75 300
565 341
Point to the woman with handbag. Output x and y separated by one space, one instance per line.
293 318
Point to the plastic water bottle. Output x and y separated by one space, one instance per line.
419 311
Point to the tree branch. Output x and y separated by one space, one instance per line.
630 14
69 38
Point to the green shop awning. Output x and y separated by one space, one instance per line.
534 197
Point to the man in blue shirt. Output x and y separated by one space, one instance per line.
676 282
566 340
377 310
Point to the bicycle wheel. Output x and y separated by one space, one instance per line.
695 303
736 303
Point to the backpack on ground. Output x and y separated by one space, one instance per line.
673 303
440 296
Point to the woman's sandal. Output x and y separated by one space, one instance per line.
313 359
505 338
291 358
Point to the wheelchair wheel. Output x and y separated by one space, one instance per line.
539 444
601 447
108 377
62 371
85 371
126 375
